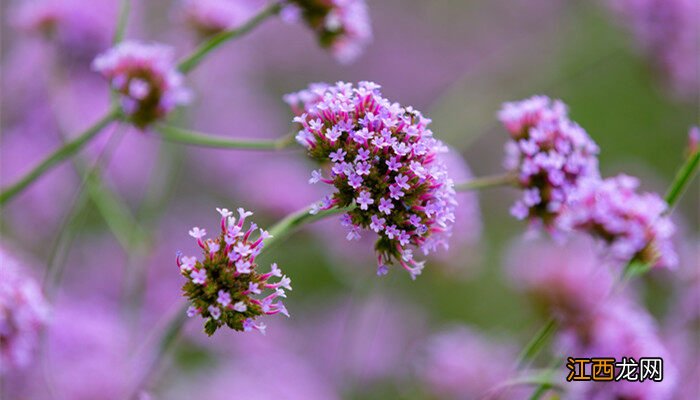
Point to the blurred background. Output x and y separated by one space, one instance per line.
104 252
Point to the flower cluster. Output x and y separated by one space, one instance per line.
145 77
210 17
341 25
633 225
23 312
549 153
225 286
383 160
667 32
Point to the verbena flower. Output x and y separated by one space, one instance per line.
341 25
146 79
225 286
381 157
549 153
210 17
667 33
634 225
23 313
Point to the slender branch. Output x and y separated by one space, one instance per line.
294 221
216 41
537 343
63 153
124 10
180 135
486 182
682 179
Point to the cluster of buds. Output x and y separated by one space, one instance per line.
635 226
341 25
225 286
548 153
23 312
145 77
382 158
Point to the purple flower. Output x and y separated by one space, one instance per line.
548 153
364 116
145 77
210 17
364 200
634 226
341 25
224 296
377 224
23 313
338 155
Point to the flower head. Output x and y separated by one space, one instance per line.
225 286
341 25
384 161
146 79
23 312
210 17
549 154
633 225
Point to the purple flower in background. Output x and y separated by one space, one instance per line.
462 364
145 77
618 329
80 28
341 25
667 32
210 17
221 284
424 201
634 226
549 153
566 279
23 313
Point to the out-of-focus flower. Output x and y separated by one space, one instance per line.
549 153
225 287
23 313
462 364
146 78
383 160
619 329
80 28
566 279
633 225
210 17
693 139
341 25
667 32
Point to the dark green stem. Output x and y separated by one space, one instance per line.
205 140
213 43
124 9
682 179
63 153
292 222
537 343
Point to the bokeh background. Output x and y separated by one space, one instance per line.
105 251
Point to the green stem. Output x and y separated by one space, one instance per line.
294 221
179 135
486 182
682 179
205 48
537 343
124 9
63 153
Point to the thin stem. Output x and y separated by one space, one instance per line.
63 153
682 179
294 221
124 9
205 48
537 343
180 135
486 182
